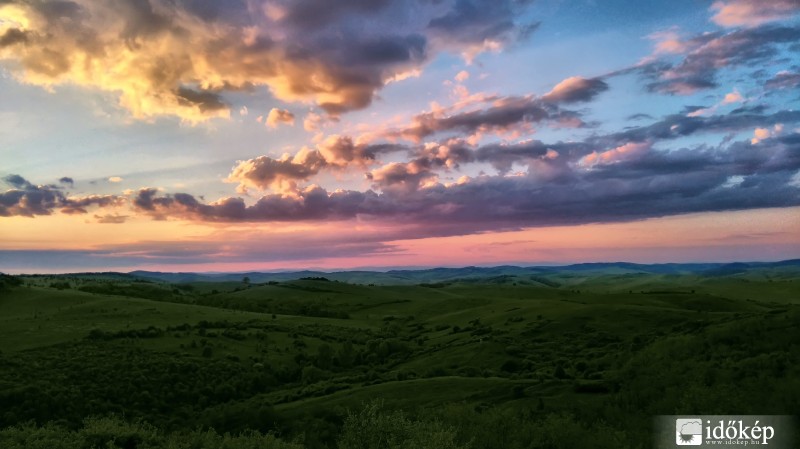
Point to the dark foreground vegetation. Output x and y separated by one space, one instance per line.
553 359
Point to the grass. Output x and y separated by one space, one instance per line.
606 348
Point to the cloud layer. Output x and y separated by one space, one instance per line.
28 200
706 122
181 57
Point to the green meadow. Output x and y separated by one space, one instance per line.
492 358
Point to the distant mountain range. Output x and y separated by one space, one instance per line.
400 277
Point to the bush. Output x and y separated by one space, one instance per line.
373 428
113 432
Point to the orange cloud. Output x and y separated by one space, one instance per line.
280 175
277 116
733 97
760 134
174 58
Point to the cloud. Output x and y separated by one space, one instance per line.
79 204
281 174
575 89
733 97
182 58
761 134
277 116
614 155
639 172
484 113
28 200
111 219
750 13
204 101
502 114
312 122
404 176
705 54
115 179
341 151
680 125
653 183
67 180
428 161
668 42
503 156
784 80
337 240
474 26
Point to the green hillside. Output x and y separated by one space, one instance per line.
317 363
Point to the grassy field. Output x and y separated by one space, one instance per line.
506 360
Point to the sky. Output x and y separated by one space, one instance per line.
202 135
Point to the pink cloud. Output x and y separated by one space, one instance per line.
668 42
620 153
576 88
733 97
751 13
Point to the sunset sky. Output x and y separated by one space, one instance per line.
202 135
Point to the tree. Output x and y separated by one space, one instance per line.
324 356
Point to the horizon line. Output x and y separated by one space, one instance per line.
386 269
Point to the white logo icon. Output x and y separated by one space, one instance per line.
689 432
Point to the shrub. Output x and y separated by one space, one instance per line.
374 428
